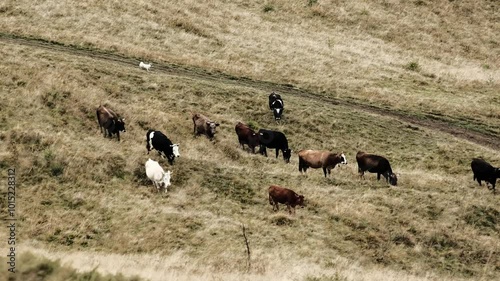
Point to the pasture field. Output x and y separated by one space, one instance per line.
374 76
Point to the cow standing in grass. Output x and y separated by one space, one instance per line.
157 140
204 126
320 159
278 194
274 139
157 175
484 171
276 105
375 164
246 136
109 122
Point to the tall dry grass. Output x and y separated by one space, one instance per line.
349 49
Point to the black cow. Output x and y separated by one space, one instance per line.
274 139
375 164
484 171
157 140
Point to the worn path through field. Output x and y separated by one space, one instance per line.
488 140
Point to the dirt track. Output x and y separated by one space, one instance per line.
492 141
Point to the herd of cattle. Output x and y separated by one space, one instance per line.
112 124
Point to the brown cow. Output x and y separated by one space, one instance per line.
320 159
247 136
111 122
204 126
278 194
375 164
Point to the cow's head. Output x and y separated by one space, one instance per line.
343 159
175 150
287 153
393 179
120 125
497 173
299 200
166 180
277 113
211 127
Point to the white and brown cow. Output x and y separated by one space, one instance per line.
204 126
320 159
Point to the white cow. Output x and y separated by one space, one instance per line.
145 65
156 174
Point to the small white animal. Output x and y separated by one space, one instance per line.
156 174
145 65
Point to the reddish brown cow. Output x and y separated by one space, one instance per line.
285 196
204 126
320 159
247 136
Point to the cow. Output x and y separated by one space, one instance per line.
157 140
109 122
484 171
157 175
274 139
278 194
246 136
375 164
204 126
272 97
146 66
276 105
320 159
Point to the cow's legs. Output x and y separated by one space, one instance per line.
324 171
479 181
118 135
361 173
263 150
277 152
378 176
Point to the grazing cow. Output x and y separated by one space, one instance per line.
320 159
278 194
274 139
484 171
277 106
156 174
204 126
273 97
110 122
146 66
375 164
157 140
247 136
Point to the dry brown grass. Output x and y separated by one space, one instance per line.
350 49
84 198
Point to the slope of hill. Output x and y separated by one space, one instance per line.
81 192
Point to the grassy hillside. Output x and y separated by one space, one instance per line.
431 58
79 192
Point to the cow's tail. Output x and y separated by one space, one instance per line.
271 201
